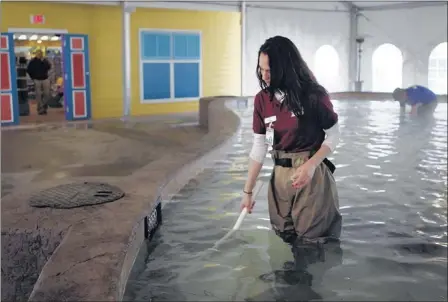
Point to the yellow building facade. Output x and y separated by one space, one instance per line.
220 48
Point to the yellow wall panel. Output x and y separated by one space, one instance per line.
106 61
221 45
221 53
103 26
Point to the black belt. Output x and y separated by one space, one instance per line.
283 162
287 163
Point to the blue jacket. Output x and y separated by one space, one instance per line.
420 95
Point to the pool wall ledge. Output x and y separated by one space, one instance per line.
371 96
94 259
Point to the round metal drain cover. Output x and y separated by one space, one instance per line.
76 195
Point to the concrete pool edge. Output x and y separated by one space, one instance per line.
95 256
371 96
223 125
215 115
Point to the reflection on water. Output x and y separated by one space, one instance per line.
392 180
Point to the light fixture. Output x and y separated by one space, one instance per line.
54 38
22 37
44 38
33 37
39 41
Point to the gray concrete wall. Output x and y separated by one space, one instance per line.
97 246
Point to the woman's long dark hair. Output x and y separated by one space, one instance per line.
289 74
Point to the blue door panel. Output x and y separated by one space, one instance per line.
8 89
77 90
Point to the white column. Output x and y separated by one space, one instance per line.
353 50
243 47
126 39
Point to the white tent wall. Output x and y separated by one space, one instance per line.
309 30
415 31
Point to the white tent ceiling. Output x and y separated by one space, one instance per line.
375 3
318 5
299 5
340 5
335 5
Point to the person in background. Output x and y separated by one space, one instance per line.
293 113
421 99
38 69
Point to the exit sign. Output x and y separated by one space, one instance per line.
37 19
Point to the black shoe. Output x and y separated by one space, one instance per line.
42 113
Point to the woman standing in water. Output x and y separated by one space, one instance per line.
294 115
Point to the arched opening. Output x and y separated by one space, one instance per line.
387 67
326 67
437 68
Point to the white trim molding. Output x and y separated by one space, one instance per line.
37 30
231 6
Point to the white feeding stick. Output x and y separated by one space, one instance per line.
240 219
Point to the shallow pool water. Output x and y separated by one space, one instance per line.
392 181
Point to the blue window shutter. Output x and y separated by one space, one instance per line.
186 80
155 46
186 46
156 81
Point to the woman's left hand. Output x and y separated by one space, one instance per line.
303 175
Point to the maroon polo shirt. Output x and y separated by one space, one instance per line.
292 134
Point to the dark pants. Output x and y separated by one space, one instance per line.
427 108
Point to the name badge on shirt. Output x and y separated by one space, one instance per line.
270 119
269 137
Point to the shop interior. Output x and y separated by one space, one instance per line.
25 47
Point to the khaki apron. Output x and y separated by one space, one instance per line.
311 213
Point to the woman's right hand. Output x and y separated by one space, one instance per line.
247 202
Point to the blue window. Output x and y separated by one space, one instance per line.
155 46
186 80
187 46
156 81
170 64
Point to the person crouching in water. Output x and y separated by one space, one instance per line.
294 114
421 99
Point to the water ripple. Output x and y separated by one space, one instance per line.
392 182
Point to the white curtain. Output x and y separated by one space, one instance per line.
308 30
387 68
415 39
437 70
327 68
